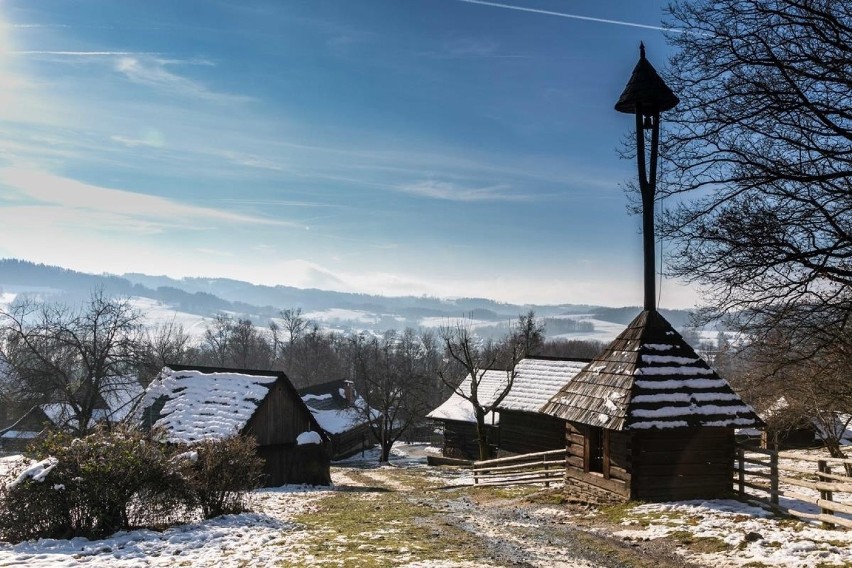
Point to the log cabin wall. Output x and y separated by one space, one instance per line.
350 442
280 418
685 463
615 478
527 432
276 424
461 441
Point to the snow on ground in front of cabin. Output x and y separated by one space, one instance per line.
753 536
269 536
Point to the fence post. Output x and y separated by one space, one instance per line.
741 471
546 467
475 476
773 480
825 494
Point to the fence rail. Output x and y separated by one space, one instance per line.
771 481
540 467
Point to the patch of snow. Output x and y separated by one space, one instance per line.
308 438
37 471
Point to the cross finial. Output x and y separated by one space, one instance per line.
641 50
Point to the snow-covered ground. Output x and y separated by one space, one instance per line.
728 533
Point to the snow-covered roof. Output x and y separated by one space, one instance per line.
203 405
115 402
329 405
650 378
537 380
491 386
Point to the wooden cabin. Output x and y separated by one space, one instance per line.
523 427
190 404
456 419
342 415
648 419
30 426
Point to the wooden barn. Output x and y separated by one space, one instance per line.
456 419
189 404
18 435
648 419
523 427
341 413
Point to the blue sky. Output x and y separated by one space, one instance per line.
441 147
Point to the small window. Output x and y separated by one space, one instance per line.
595 449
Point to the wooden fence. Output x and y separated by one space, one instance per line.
762 475
540 467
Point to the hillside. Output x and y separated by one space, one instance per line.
204 297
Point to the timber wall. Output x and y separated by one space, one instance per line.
528 432
688 463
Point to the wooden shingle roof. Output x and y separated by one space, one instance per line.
650 378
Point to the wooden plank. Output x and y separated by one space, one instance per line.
828 519
526 482
619 473
552 474
837 476
611 485
518 467
528 457
574 461
820 485
797 457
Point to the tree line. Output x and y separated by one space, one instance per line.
83 356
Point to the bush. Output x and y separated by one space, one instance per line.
88 491
114 480
219 472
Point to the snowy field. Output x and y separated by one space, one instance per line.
408 514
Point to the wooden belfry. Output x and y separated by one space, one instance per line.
648 418
646 96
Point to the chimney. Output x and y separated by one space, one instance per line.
349 392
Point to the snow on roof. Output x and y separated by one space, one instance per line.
491 386
537 380
334 413
205 405
650 378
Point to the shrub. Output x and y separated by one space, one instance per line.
113 480
89 490
219 472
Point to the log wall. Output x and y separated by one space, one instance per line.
528 432
688 463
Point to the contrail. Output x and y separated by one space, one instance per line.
572 16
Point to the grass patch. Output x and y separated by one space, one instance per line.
619 512
701 545
485 493
385 530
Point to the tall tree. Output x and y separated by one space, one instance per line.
759 155
392 374
76 357
468 356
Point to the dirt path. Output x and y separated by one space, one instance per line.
501 527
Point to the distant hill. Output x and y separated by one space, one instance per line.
337 310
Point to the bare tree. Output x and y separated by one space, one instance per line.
758 156
467 356
392 375
75 357
165 343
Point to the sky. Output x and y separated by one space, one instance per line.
453 148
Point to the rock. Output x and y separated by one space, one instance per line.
753 537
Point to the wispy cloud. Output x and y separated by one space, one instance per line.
571 16
153 73
455 192
82 53
150 212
